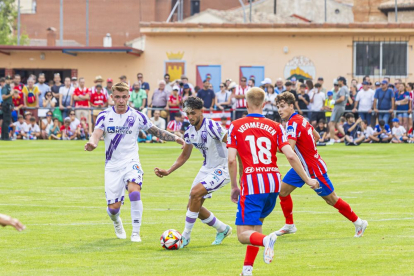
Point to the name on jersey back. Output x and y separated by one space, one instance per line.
259 125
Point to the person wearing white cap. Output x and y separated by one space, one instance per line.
266 82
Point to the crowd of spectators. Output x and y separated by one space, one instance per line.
360 112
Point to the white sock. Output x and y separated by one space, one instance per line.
214 222
190 219
136 211
358 222
111 213
332 140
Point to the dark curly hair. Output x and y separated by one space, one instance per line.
193 103
286 97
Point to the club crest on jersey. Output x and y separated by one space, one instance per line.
204 135
218 172
130 119
136 167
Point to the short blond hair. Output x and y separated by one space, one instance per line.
120 86
255 96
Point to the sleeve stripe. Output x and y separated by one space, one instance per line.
210 126
101 118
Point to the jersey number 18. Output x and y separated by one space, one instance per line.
264 155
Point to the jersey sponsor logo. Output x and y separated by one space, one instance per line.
290 130
119 129
261 169
218 172
201 146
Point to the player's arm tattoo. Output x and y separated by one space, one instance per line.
162 134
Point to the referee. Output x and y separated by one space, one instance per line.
6 106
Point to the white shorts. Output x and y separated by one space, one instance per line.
212 179
116 182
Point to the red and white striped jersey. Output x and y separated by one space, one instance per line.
299 129
174 125
257 139
241 103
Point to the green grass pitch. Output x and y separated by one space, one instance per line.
57 190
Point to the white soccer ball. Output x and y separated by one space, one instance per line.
171 239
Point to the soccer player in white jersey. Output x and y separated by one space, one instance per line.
121 126
210 139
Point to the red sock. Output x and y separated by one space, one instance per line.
345 210
251 253
257 239
287 207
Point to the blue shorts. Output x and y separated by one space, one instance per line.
252 208
325 184
402 114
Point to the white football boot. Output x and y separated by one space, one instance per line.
135 237
286 229
268 250
360 229
247 271
119 229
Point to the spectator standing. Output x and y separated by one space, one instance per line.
364 101
399 134
66 98
353 134
251 83
6 106
31 96
240 96
81 97
54 130
98 101
51 83
49 101
403 103
303 101
17 82
382 133
290 88
144 85
384 101
266 82
34 130
46 124
159 97
186 93
18 102
108 88
339 108
350 104
74 82
321 81
335 88
270 109
328 106
317 100
157 120
168 84
175 125
279 88
138 99
43 88
184 80
223 122
56 87
174 103
294 82
223 98
99 81
67 132
208 96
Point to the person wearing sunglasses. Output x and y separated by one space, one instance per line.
49 100
74 122
223 97
46 123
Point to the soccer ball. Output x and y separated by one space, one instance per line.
171 239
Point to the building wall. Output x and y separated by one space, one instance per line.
403 16
89 65
367 11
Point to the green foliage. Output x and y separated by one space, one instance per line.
57 190
8 24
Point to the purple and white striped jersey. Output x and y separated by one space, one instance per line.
208 140
120 134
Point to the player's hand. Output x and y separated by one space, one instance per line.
7 220
235 193
90 146
313 183
160 172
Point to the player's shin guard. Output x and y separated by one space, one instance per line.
214 222
251 253
287 207
190 219
345 210
113 213
136 210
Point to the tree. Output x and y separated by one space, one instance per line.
8 24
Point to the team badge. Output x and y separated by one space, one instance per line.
136 167
130 119
204 136
218 172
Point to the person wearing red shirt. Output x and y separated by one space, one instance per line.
174 102
99 101
256 139
302 137
67 133
81 95
18 101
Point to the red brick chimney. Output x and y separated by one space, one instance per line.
51 36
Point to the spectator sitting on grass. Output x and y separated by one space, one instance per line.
67 133
411 135
54 130
82 130
367 130
19 128
34 129
323 131
174 126
382 133
144 137
353 135
157 120
46 123
399 134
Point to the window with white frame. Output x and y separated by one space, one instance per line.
380 58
